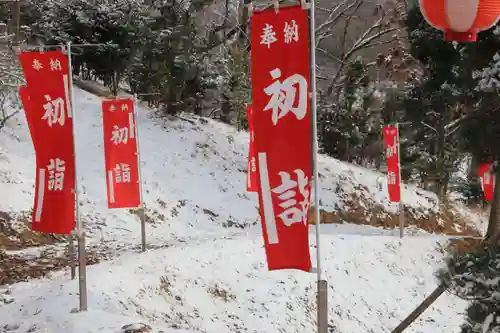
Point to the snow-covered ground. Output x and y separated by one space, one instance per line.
205 271
222 286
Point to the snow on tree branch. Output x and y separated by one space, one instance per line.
489 77
372 36
11 78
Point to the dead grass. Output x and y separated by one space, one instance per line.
463 246
16 234
221 293
165 285
16 268
359 210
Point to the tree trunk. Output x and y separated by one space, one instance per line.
244 15
225 109
493 232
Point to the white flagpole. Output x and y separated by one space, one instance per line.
314 119
401 205
80 233
142 208
322 299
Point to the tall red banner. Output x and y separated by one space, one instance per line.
120 152
280 86
487 181
252 177
391 145
46 101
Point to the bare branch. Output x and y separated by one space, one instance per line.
5 118
325 29
429 126
363 42
454 123
328 54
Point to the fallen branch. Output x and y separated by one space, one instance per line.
420 309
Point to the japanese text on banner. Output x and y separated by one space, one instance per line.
120 151
282 129
391 146
48 110
487 180
252 177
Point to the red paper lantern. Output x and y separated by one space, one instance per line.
461 20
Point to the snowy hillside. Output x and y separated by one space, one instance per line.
205 271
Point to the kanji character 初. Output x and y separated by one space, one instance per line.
119 135
56 169
37 65
55 65
268 36
391 150
54 111
122 173
283 96
293 212
391 178
291 32
486 178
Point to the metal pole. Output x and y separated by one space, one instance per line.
142 209
18 21
401 220
401 205
322 299
71 255
80 233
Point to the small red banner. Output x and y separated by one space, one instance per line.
391 145
487 180
46 101
281 121
120 152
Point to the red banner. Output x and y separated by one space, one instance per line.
46 101
391 145
252 177
120 152
280 86
487 180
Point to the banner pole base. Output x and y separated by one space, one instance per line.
143 227
71 255
401 220
82 272
322 305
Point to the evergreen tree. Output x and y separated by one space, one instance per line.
115 24
437 105
467 77
173 61
475 277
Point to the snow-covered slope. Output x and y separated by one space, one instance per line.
206 268
222 286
